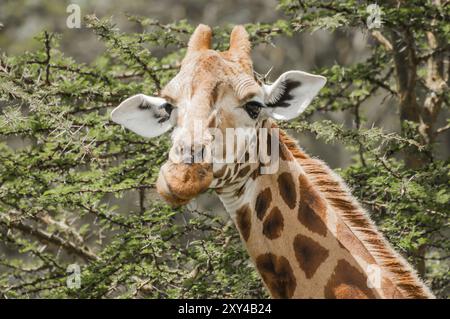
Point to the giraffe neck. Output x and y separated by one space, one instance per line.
308 238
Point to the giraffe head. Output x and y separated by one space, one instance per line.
213 91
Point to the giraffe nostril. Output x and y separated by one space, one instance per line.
198 154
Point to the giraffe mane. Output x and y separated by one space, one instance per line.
338 195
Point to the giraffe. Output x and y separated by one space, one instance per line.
305 233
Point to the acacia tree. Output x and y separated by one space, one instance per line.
60 194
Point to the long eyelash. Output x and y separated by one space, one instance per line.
255 103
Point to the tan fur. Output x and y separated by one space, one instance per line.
179 183
306 234
207 78
200 39
240 48
336 192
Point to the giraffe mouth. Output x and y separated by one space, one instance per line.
179 183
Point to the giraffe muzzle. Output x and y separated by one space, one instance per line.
179 183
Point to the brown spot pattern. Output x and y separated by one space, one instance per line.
243 221
228 174
347 282
262 203
236 168
255 174
273 224
310 219
220 172
312 209
240 191
277 274
287 189
346 238
244 171
336 194
310 254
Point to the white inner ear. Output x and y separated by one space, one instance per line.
291 94
143 115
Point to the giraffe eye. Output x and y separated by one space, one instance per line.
253 109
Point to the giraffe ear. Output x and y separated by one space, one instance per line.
291 93
147 116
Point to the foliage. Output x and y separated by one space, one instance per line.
60 194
